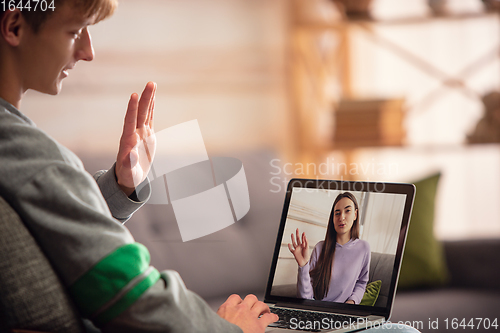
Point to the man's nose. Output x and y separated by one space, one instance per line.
84 50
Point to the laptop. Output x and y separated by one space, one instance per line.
363 271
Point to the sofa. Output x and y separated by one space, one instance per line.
472 291
237 259
31 294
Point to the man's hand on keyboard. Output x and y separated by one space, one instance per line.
251 315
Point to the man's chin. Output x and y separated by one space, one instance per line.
54 90
57 89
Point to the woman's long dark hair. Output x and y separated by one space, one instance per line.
322 272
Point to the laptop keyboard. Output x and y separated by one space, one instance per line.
309 321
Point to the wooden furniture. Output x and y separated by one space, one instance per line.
321 78
366 123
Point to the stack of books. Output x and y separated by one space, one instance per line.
368 123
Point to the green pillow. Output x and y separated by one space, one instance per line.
423 259
371 293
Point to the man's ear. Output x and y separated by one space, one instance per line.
12 24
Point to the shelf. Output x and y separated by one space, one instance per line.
322 75
395 21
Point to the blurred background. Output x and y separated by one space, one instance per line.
381 90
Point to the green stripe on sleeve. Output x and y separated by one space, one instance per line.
103 281
128 299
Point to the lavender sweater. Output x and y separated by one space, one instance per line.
349 273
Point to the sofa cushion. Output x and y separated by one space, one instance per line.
31 295
423 260
473 263
371 293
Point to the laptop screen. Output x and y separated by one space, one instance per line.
340 244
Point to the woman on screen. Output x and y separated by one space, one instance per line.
338 268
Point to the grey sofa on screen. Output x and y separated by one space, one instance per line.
381 266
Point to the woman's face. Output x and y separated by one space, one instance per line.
344 215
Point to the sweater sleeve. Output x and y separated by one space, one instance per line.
360 286
121 206
304 283
169 307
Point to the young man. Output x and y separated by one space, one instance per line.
77 219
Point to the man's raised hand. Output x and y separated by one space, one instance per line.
138 142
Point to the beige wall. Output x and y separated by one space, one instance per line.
218 61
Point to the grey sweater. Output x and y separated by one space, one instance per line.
77 221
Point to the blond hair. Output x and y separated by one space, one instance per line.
96 9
